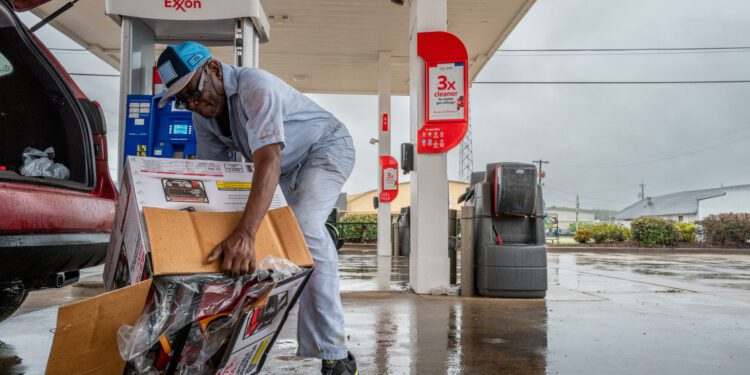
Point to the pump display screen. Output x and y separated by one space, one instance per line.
180 129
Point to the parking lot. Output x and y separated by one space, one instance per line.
604 313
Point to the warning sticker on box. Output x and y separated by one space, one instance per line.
233 185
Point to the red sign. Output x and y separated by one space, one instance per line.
384 123
446 92
183 5
388 179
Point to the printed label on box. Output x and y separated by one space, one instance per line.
259 328
177 190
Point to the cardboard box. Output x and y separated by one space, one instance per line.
176 184
85 340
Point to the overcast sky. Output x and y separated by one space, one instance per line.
601 140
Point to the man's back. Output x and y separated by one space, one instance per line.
263 109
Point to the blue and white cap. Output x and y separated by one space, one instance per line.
177 65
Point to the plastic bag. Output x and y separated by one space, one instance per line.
188 320
37 163
446 290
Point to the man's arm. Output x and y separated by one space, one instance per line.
238 249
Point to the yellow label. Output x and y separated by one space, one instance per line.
233 185
260 351
141 148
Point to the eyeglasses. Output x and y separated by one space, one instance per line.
182 102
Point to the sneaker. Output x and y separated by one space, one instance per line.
346 366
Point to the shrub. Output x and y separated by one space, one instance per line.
626 234
603 233
686 232
582 235
359 218
653 231
727 228
358 227
573 228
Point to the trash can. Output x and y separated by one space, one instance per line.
452 230
404 235
510 252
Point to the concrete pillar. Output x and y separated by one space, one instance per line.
136 72
467 251
246 52
429 263
384 148
247 44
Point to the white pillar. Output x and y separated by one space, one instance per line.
246 53
136 72
429 262
384 148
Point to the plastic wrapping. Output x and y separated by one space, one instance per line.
276 268
188 320
37 163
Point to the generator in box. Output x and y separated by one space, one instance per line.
168 310
175 184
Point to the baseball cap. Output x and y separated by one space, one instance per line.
177 65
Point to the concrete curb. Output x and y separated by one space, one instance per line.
359 245
646 250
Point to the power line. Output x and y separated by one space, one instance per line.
655 160
667 151
623 49
503 55
618 51
608 82
584 196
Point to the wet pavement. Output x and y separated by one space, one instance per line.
604 313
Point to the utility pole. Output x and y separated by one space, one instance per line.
643 190
540 162
578 208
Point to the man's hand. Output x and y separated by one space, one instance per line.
239 254
238 249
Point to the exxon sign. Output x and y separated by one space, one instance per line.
182 5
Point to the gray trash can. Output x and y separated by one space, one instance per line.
404 235
510 250
452 242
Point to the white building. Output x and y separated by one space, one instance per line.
690 206
567 216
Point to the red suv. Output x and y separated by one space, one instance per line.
50 227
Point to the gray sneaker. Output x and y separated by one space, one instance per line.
346 366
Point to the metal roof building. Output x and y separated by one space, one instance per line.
690 205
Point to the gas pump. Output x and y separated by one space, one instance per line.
144 129
165 133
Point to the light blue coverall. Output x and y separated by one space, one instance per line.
316 159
